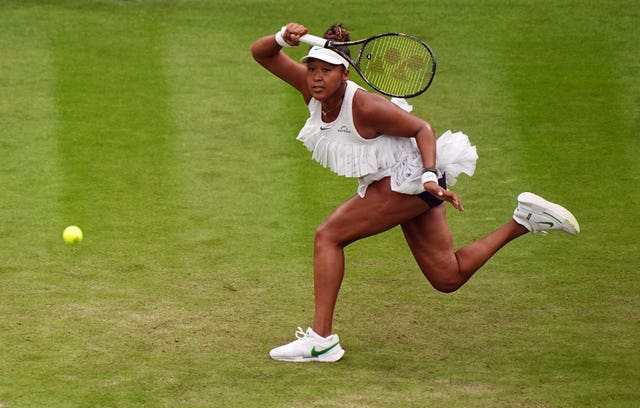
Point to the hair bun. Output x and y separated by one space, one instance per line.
337 32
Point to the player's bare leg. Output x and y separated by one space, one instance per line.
431 243
380 210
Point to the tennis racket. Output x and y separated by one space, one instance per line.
394 64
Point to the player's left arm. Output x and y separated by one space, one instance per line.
375 115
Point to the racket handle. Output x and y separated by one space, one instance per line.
313 40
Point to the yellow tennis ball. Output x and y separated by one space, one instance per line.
72 235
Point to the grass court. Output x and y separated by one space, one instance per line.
148 124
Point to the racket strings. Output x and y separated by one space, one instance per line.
399 65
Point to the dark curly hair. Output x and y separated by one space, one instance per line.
339 33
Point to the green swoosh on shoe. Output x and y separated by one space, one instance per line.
316 353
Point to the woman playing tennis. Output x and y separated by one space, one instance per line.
392 153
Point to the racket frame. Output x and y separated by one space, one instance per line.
332 45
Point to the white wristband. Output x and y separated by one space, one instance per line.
428 176
281 42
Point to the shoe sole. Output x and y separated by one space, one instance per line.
564 215
324 358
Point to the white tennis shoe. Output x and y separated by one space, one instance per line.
308 347
539 215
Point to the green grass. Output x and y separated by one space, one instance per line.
148 124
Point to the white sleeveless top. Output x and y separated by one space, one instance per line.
339 147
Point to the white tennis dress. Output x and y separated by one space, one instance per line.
339 147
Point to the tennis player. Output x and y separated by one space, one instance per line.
392 153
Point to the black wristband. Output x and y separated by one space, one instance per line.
430 170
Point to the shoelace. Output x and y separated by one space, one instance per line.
300 333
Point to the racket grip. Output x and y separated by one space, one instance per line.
313 40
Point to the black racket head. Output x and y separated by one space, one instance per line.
396 64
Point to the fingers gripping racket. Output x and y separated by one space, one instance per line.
394 64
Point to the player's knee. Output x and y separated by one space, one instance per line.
445 287
325 236
444 281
